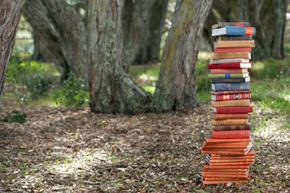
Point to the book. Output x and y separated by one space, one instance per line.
238 49
224 24
240 134
234 31
231 65
234 96
228 92
229 71
231 60
231 116
225 181
223 37
230 122
230 55
231 103
228 75
230 86
230 80
234 43
231 127
233 110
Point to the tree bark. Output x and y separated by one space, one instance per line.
143 25
10 11
176 85
268 16
61 34
111 89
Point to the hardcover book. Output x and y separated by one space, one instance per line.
231 127
234 31
240 134
231 116
229 71
230 122
243 55
228 75
231 65
234 43
224 24
231 60
233 103
234 96
230 86
230 80
233 110
231 50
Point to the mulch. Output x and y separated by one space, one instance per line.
74 150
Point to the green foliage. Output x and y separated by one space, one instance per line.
271 69
15 117
74 93
36 77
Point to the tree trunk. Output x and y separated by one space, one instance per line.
143 25
268 16
111 89
176 85
61 34
10 11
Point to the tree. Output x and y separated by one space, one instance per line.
143 22
111 88
60 33
268 16
176 85
10 11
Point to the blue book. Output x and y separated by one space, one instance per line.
230 86
234 31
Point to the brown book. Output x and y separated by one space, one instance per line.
231 116
229 122
234 43
242 102
244 55
231 127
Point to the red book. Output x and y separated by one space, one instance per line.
226 50
231 116
210 140
230 65
239 134
237 96
229 71
233 110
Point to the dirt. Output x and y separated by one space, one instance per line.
74 150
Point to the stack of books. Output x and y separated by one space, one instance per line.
229 154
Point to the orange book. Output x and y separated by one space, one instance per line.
243 55
210 140
227 167
229 71
242 102
229 122
231 116
239 134
234 43
225 181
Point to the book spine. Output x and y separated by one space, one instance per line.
227 75
232 96
232 80
234 110
231 116
231 134
230 87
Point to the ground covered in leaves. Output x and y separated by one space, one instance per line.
74 150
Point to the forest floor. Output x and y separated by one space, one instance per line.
74 150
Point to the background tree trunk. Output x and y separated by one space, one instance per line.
143 22
268 16
176 85
111 89
10 11
61 34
